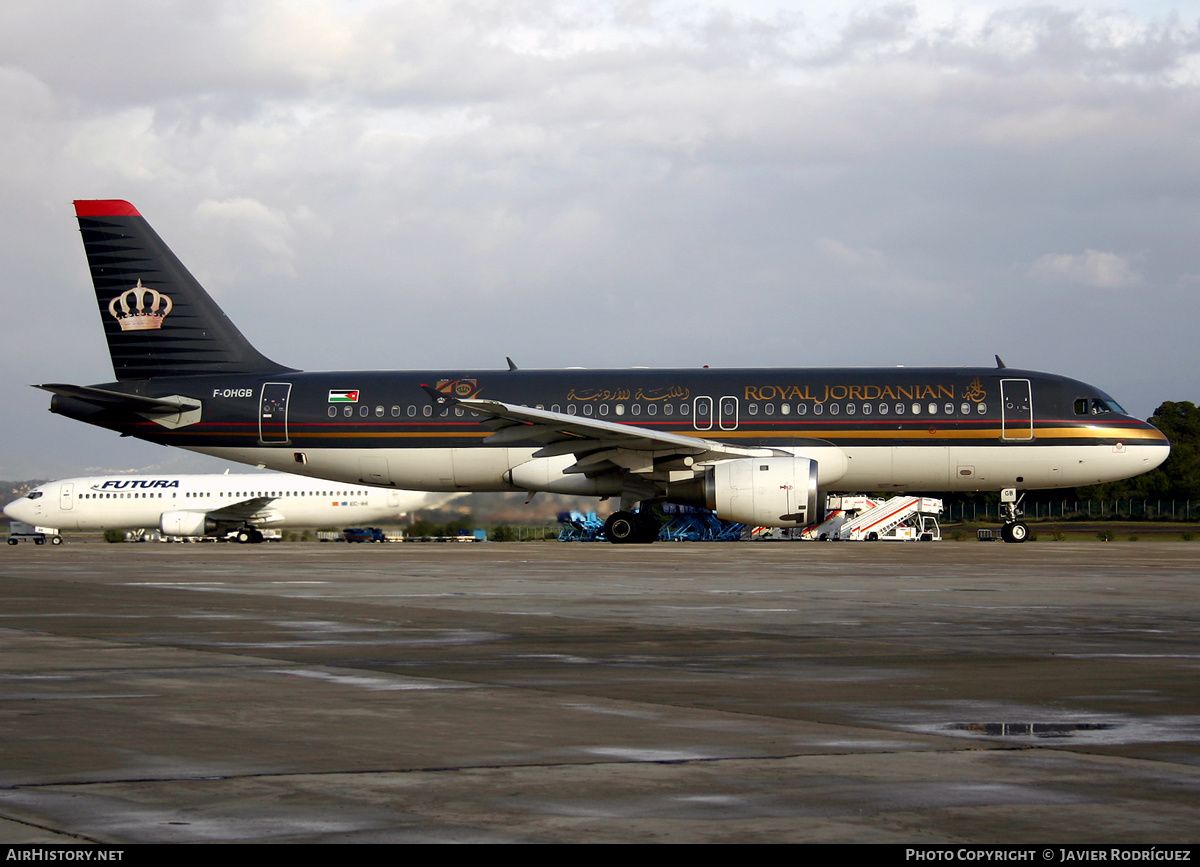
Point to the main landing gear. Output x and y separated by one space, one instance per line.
249 535
631 528
1010 510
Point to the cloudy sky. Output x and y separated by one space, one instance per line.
442 183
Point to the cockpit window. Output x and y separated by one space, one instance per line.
33 495
1096 406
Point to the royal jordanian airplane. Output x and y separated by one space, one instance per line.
207 505
758 446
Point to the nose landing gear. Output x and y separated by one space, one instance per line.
1013 530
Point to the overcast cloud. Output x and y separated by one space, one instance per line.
441 184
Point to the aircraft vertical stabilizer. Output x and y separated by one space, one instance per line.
158 319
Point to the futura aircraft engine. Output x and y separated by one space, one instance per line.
183 523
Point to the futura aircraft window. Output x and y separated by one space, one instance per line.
348 411
395 412
752 409
666 409
332 411
801 408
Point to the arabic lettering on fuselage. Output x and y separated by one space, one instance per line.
667 392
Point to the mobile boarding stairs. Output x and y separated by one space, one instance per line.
867 519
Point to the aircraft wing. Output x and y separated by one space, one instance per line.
600 447
249 510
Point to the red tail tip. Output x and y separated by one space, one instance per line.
104 208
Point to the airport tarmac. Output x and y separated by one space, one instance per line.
548 692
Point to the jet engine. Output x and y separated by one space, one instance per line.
181 523
763 492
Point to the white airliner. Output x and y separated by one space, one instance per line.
203 505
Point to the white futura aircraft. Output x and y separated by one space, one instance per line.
202 505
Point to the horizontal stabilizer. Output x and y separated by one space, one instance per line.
118 400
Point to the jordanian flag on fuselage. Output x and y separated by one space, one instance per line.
343 396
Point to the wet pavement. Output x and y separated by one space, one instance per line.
549 692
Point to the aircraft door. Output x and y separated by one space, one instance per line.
1016 408
273 412
66 496
702 413
727 417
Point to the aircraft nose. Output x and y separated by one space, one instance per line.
20 510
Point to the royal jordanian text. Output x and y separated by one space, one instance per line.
849 392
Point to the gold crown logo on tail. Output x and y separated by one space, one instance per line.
141 308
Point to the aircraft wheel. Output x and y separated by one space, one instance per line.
1017 532
57 540
622 528
243 537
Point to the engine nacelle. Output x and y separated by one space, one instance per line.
181 523
764 492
